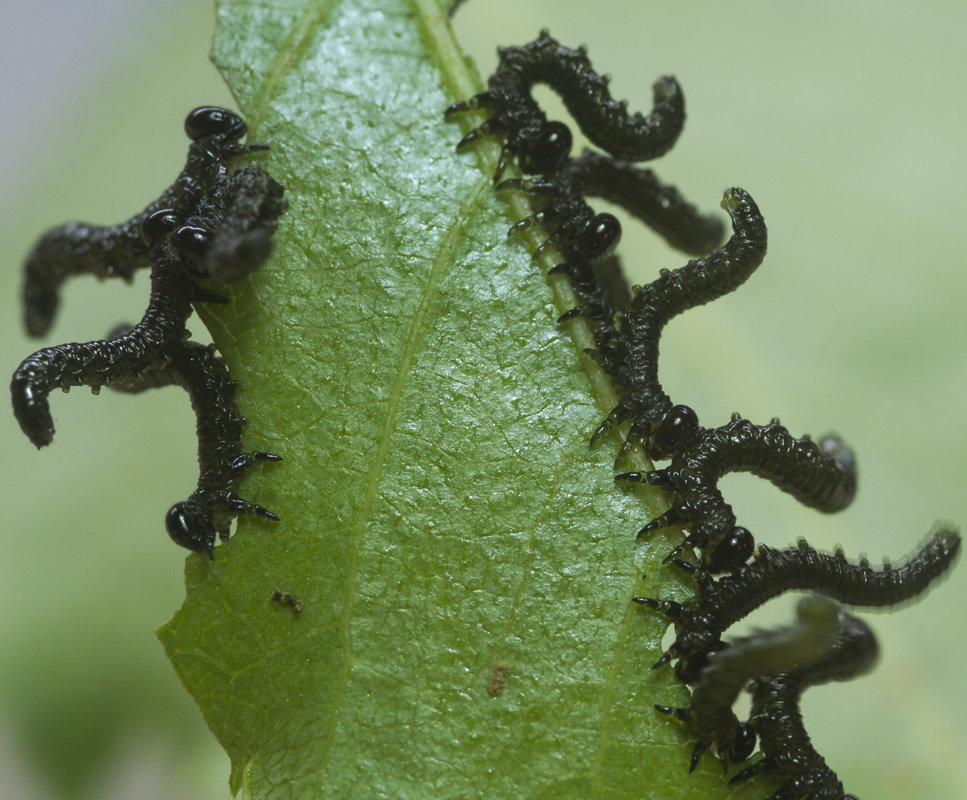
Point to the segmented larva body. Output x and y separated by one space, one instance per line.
820 475
225 235
605 295
702 280
827 644
787 750
116 360
585 241
581 236
645 196
699 625
639 191
223 230
79 248
541 145
210 509
584 237
730 669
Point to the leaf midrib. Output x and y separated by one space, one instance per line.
442 263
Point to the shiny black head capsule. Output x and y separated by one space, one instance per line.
732 552
160 223
206 121
190 528
677 427
549 150
601 234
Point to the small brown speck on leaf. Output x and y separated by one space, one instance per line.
497 678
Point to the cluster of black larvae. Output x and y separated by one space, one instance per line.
627 327
211 223
826 644
700 624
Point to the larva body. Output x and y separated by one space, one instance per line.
820 475
699 625
107 251
793 647
210 509
776 717
539 144
643 401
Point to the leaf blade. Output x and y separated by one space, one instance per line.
442 512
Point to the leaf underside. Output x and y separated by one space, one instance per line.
443 519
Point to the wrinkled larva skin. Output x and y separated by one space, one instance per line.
820 475
776 717
605 121
627 327
645 196
101 362
209 511
108 251
173 290
765 652
699 625
222 229
634 350
584 237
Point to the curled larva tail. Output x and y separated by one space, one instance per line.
541 145
822 476
604 120
700 281
723 602
97 363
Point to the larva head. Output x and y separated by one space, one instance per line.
159 224
676 428
206 121
191 526
732 552
193 242
548 150
740 744
598 238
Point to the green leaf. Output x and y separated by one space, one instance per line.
443 519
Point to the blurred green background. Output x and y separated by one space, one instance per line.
844 121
